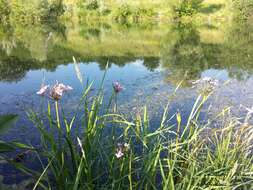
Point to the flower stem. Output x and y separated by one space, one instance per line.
110 102
57 114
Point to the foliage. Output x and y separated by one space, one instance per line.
188 7
192 155
243 8
92 5
6 122
31 12
54 10
126 13
140 13
181 48
123 13
4 10
37 10
187 51
160 157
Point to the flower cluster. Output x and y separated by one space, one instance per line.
55 92
206 84
117 87
121 149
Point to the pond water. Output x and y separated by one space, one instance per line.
148 60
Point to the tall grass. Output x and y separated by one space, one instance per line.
191 155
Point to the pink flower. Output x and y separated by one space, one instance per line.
117 87
121 149
56 92
119 153
43 90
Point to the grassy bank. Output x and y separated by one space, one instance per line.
107 150
28 12
37 11
163 11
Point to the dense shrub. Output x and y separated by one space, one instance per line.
142 12
28 12
128 13
123 13
187 7
4 10
54 10
244 9
93 5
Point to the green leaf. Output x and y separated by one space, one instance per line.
12 146
21 145
6 147
7 121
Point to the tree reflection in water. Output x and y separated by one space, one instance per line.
184 50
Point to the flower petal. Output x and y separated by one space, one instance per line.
43 90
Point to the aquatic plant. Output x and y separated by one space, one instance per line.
58 89
6 122
43 90
117 87
121 149
55 92
205 85
105 150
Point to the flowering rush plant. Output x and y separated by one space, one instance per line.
117 87
206 84
55 92
121 149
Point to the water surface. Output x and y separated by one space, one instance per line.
148 59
